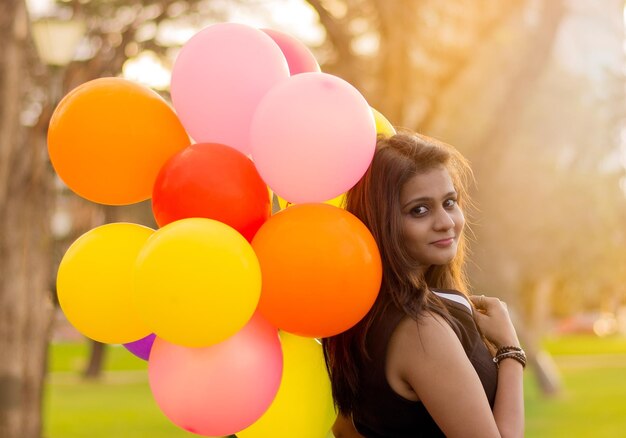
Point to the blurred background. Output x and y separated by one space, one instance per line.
531 91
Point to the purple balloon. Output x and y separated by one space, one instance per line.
141 348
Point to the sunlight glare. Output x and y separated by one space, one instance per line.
175 32
39 8
299 19
147 69
605 325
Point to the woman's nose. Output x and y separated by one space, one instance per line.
443 221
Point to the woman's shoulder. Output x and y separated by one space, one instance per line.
429 331
423 343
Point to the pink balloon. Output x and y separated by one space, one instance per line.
298 55
312 137
221 389
218 79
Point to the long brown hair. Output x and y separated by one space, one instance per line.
375 200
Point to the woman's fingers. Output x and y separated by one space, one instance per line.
479 301
484 303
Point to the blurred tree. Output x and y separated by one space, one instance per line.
544 140
25 246
544 137
403 55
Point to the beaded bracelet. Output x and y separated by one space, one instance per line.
507 349
519 356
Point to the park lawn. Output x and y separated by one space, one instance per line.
593 402
120 404
113 407
72 357
117 405
585 344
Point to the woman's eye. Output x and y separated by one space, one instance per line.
420 210
449 203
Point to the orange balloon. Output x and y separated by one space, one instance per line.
108 139
321 270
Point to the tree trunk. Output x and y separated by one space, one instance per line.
531 325
96 360
25 255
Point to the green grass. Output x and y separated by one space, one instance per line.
593 403
118 405
73 356
110 408
585 344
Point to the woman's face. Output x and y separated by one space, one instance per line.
432 220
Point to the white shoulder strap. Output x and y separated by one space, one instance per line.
454 297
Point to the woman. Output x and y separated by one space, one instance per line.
416 364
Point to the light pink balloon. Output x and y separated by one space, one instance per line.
218 79
298 55
312 137
221 389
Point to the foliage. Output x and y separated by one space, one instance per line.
544 141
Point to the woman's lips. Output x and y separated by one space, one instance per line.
443 243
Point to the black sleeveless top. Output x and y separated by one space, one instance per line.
380 412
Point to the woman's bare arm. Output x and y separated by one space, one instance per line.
429 357
492 316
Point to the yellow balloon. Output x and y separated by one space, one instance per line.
303 406
95 283
337 202
383 126
198 282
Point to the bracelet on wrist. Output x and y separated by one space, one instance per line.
508 348
519 356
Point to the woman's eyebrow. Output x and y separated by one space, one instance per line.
415 200
428 198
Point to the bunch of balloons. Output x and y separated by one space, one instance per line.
203 297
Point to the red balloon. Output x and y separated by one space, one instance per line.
213 181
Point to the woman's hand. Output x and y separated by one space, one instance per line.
494 321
